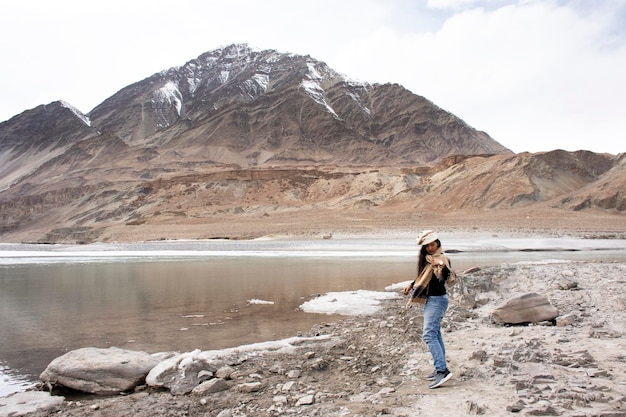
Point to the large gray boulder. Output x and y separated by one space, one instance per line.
99 371
526 308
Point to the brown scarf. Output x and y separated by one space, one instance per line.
434 264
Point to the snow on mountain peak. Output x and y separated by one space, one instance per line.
164 98
311 85
256 85
77 112
316 92
169 93
223 77
313 74
238 49
262 80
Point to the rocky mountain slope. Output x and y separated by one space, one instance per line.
236 105
219 203
239 136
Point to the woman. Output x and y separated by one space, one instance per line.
433 271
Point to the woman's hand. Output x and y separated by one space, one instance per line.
408 288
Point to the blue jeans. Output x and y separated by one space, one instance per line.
434 310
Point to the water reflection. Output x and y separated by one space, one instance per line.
159 306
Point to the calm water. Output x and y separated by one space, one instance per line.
183 296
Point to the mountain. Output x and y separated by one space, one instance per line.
35 136
241 138
558 178
241 106
607 192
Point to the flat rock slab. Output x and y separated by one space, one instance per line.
25 403
99 371
526 308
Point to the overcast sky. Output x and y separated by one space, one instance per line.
536 75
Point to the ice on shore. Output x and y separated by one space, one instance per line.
348 248
260 302
11 383
348 302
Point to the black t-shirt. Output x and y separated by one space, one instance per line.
436 287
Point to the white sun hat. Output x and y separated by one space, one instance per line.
426 237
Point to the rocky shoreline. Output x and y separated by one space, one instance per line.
374 365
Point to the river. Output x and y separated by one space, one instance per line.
183 295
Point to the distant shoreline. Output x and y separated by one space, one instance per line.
351 224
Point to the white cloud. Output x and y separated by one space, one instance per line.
530 74
451 4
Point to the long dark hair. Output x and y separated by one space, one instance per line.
421 259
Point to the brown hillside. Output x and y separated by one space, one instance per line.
242 203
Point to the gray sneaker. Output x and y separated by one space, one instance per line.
432 376
440 379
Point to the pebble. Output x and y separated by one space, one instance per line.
249 387
295 374
306 400
288 386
